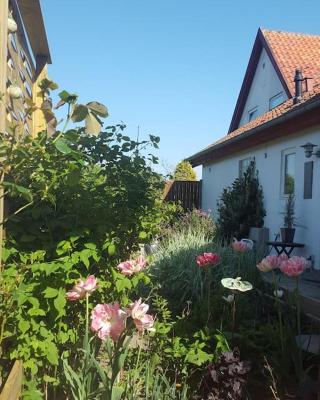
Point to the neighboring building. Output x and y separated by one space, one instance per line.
24 55
277 112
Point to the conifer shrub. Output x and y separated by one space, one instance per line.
241 206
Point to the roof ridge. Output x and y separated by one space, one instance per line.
263 30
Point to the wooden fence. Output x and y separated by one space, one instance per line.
187 193
13 385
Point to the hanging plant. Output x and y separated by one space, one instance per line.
15 92
12 25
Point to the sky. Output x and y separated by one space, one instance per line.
172 67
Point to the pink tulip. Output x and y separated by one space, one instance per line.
82 288
142 320
108 320
132 267
269 263
208 259
293 266
240 246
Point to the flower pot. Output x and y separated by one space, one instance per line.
287 234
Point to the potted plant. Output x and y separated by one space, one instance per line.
288 231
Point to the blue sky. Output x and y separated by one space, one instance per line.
173 67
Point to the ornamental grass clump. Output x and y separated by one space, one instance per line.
184 267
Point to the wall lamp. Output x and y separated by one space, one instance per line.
308 150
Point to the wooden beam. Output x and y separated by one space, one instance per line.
4 6
13 387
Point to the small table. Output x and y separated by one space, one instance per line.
283 247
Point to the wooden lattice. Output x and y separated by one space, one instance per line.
20 72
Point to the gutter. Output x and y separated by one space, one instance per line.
307 106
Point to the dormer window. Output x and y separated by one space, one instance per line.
276 100
252 114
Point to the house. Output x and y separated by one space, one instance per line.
277 112
23 61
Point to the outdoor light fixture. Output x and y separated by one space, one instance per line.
308 150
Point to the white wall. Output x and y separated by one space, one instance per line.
265 85
221 173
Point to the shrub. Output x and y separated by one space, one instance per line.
184 172
241 206
198 221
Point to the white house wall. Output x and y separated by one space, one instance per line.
222 173
265 85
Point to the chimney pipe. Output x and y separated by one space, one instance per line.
298 79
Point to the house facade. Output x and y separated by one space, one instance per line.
23 63
277 112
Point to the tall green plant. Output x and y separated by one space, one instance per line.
241 206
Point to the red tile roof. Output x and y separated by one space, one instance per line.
276 112
292 51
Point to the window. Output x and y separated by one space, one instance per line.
276 100
244 164
288 171
252 114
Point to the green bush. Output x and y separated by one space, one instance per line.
184 172
77 205
241 206
196 220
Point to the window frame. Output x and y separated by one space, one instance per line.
252 112
284 154
240 165
274 97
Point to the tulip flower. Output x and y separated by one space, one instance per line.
142 320
132 267
108 320
82 288
293 266
208 259
269 263
240 246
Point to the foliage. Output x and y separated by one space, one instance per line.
289 218
198 221
184 283
77 205
93 188
241 206
184 172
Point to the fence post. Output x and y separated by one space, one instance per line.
13 386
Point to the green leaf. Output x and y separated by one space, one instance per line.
50 293
143 235
18 189
68 97
98 109
60 302
111 249
73 178
52 353
93 125
61 145
36 312
123 283
79 113
23 325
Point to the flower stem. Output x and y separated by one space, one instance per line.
275 285
239 263
233 317
299 325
